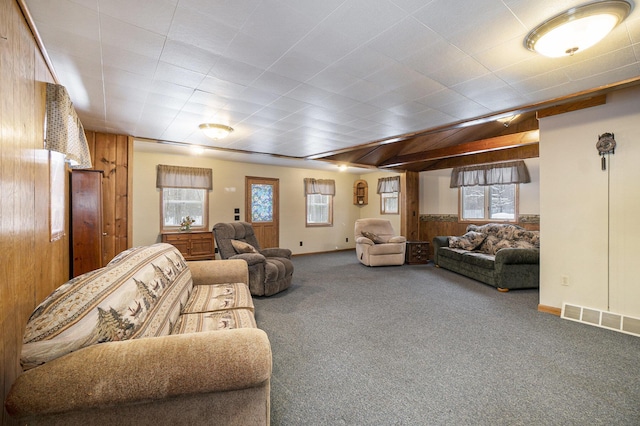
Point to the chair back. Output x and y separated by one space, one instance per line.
381 227
225 232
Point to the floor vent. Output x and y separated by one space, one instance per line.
609 320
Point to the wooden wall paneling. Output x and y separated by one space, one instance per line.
105 154
121 207
409 208
31 266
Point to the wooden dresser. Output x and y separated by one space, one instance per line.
417 252
194 245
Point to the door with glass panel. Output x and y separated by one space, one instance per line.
261 209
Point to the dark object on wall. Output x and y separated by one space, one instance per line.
606 145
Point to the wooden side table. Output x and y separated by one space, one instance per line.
194 245
417 252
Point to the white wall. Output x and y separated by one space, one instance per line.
228 193
589 227
437 198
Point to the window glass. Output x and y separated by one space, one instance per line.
261 203
389 203
319 209
178 203
494 202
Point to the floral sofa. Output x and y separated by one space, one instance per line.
149 339
502 255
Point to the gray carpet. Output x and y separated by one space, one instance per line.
418 345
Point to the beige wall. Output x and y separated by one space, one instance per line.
437 198
589 227
228 193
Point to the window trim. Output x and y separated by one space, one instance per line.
306 212
205 207
486 219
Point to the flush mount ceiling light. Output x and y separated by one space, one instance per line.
577 29
216 131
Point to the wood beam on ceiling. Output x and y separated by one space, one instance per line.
572 106
469 148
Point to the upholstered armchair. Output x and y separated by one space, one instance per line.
377 244
270 269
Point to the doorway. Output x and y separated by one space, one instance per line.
262 198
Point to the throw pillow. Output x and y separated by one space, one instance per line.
373 237
242 247
469 241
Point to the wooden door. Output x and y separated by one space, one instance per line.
261 209
87 232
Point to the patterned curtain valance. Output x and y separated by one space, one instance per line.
389 184
184 177
319 186
490 174
64 132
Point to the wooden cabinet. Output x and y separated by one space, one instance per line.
360 193
194 245
87 250
417 252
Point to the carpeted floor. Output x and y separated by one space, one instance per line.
418 345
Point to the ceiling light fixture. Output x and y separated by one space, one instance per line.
216 131
577 28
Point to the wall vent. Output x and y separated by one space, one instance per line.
609 320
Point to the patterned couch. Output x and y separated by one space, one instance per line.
149 339
502 255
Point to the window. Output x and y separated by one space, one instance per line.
489 203
319 199
389 203
184 191
389 189
178 203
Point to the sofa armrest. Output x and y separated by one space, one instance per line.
276 252
397 239
439 241
507 256
143 370
250 258
219 271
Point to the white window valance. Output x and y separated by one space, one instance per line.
389 184
64 132
184 177
490 174
319 186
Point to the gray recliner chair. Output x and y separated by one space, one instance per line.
270 269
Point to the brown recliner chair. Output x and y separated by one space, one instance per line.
270 269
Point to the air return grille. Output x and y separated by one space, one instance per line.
612 321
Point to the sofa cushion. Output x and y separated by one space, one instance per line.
212 321
468 241
139 295
218 297
451 253
242 247
489 244
482 260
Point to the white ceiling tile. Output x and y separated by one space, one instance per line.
434 57
115 57
188 56
363 62
238 72
228 12
332 80
274 83
325 45
66 16
177 75
191 26
120 34
277 24
403 39
154 15
362 91
458 72
253 51
297 66
223 88
362 20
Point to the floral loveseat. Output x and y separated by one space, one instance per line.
502 255
149 339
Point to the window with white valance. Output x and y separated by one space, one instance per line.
389 184
319 201
490 174
319 186
184 197
389 188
